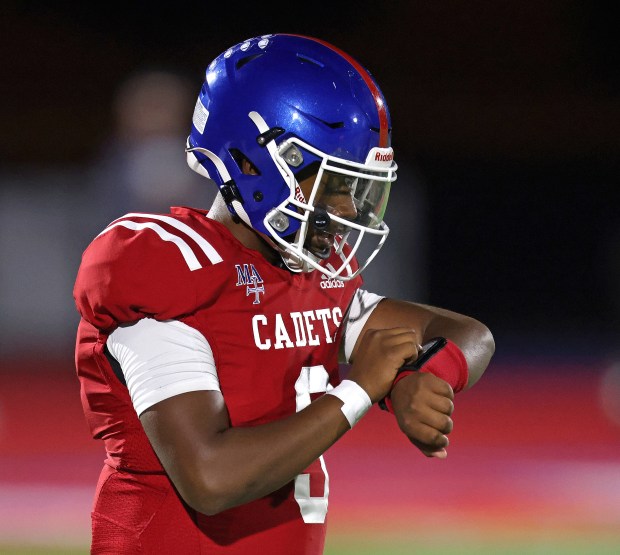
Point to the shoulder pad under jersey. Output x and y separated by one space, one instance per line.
142 265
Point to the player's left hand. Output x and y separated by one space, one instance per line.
423 404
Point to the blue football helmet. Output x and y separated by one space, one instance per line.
315 128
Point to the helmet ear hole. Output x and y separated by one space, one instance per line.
245 165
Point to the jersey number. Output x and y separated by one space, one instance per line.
313 379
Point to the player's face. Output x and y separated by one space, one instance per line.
334 197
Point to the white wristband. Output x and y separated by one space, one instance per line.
355 399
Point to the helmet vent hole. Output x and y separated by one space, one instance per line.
331 124
310 60
244 61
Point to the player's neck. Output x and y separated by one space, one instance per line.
245 235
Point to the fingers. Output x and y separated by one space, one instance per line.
396 344
379 357
431 442
438 421
441 454
437 385
423 406
426 424
423 392
441 404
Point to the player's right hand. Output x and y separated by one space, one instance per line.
379 356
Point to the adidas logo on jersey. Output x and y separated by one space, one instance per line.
330 283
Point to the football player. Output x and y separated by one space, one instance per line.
209 344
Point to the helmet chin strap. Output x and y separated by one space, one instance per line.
262 127
291 260
221 168
295 263
195 164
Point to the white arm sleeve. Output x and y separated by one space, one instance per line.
162 359
361 308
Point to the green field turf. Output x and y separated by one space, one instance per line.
346 545
357 544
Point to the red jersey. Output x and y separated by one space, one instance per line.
275 337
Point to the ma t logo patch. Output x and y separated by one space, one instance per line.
248 275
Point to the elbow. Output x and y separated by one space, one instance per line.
210 507
211 496
479 352
481 339
205 504
487 342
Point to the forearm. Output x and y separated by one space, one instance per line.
215 466
472 337
236 465
253 462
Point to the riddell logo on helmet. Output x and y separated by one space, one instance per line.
380 157
384 157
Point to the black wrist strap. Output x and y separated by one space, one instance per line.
429 350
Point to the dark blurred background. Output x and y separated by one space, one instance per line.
506 119
506 123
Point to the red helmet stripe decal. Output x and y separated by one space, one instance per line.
374 90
